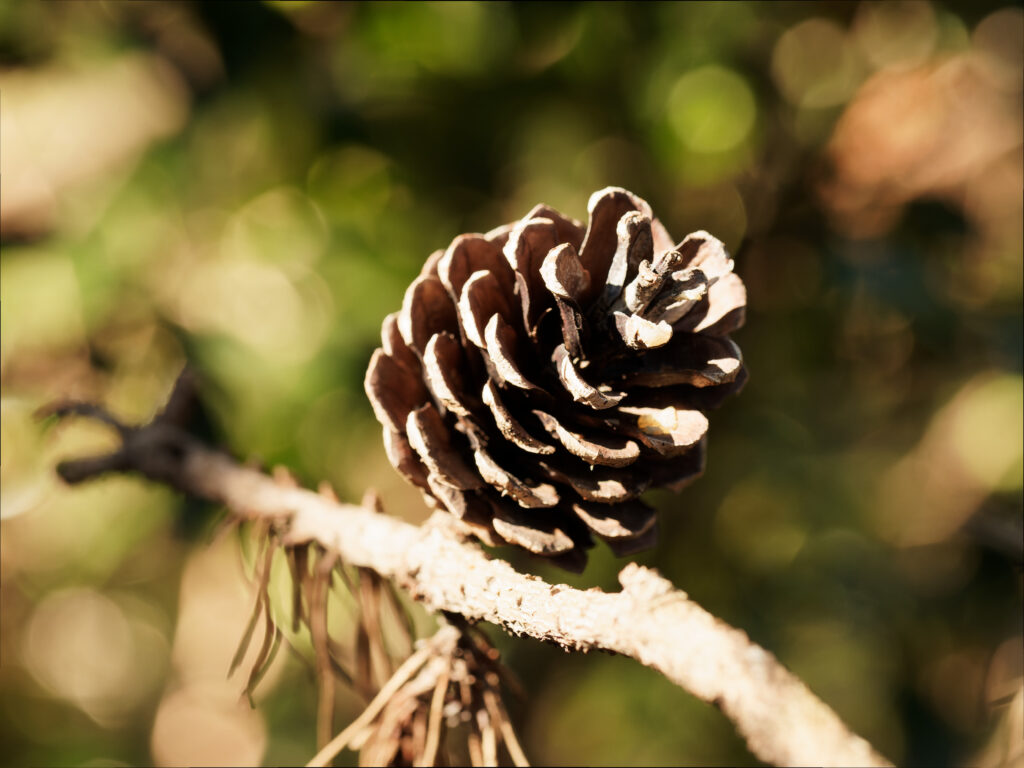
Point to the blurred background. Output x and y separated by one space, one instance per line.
251 186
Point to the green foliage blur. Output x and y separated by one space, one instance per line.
251 186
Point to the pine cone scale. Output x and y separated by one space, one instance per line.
472 253
567 230
510 427
503 349
670 431
605 450
540 536
430 438
597 485
404 459
723 313
425 311
629 521
442 370
395 347
526 494
707 361
578 387
601 243
394 390
527 246
563 273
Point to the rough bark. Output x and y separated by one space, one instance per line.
782 722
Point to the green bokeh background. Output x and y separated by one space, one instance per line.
251 186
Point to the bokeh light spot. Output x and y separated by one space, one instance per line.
1000 38
282 226
895 34
80 645
40 301
987 429
757 523
352 183
192 728
260 306
711 109
815 66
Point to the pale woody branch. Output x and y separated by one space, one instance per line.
782 722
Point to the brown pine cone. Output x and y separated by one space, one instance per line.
540 377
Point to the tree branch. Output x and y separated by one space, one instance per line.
782 722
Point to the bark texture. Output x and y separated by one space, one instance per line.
782 722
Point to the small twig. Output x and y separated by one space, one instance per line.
318 633
261 590
74 408
476 752
434 724
488 738
508 734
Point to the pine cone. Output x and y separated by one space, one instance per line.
540 377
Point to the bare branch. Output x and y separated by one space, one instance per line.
782 722
75 408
